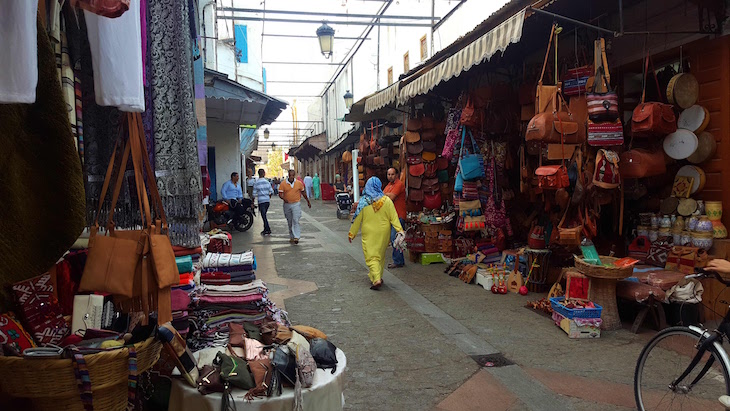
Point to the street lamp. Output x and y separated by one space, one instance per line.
348 99
326 36
266 133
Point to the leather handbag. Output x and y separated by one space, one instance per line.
552 126
652 119
427 123
536 239
415 182
430 169
570 237
432 201
137 266
428 135
107 8
412 159
415 148
471 166
430 146
640 163
470 115
682 259
209 380
442 163
639 248
415 195
545 95
430 185
234 370
262 372
412 137
552 177
414 124
416 170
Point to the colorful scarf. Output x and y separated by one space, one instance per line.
372 195
177 166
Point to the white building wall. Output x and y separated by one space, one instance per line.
225 138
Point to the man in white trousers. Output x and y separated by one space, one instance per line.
291 191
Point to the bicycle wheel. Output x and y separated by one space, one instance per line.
664 359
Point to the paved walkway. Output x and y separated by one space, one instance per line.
413 344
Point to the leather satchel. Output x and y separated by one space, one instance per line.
432 201
545 95
552 177
549 126
682 259
640 163
652 119
116 263
209 380
415 195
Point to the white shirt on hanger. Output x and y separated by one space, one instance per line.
116 54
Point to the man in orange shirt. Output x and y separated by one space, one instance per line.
396 190
291 191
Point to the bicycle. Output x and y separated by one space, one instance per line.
685 368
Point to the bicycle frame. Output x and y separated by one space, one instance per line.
715 339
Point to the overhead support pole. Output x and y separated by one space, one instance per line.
315 63
318 14
573 21
298 82
296 36
344 23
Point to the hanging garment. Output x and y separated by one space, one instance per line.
116 51
42 210
177 166
19 67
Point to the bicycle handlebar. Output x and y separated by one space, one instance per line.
708 274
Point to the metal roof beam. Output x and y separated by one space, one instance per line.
296 36
344 23
314 13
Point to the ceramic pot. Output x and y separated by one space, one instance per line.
686 238
690 223
665 222
678 223
677 237
701 207
702 240
653 235
714 210
719 230
645 218
642 231
655 221
704 225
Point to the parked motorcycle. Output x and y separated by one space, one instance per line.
235 214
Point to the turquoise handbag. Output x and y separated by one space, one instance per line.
471 166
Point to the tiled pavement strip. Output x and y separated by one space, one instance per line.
513 387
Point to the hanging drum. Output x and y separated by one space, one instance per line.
697 174
680 144
694 119
706 148
683 90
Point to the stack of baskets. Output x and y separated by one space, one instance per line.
51 383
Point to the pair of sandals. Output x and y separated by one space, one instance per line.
376 285
294 240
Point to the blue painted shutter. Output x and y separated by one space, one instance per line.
241 38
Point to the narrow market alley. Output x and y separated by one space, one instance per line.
415 344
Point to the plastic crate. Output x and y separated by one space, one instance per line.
431 258
575 313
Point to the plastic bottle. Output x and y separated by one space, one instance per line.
590 254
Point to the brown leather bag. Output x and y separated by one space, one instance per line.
546 95
415 181
415 195
116 263
640 163
428 135
430 185
262 371
106 8
652 119
415 148
548 127
414 124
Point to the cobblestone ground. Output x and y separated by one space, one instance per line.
410 345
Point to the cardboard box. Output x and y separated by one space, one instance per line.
574 330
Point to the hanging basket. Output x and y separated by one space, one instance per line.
604 271
51 383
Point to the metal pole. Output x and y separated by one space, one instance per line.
344 23
443 19
296 36
314 13
574 21
433 23
309 63
297 82
355 180
377 69
621 16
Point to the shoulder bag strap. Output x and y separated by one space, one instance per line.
151 179
118 185
547 53
604 61
105 186
473 143
463 134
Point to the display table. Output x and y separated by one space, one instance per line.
325 394
603 288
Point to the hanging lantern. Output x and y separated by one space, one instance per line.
266 133
348 99
326 36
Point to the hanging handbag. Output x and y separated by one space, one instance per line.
470 114
606 133
652 119
640 163
606 174
682 259
639 248
568 236
574 81
495 217
536 239
552 177
432 201
546 96
471 166
137 266
602 102
659 251
470 208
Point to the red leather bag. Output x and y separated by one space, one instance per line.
652 119
415 195
536 240
470 115
432 201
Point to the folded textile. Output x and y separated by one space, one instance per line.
186 278
231 299
184 264
182 251
258 284
215 278
232 269
180 300
219 260
185 287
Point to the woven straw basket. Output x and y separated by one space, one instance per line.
51 383
598 271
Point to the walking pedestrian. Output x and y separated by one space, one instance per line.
396 191
291 192
375 215
250 181
308 183
315 186
262 190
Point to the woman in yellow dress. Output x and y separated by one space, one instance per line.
375 214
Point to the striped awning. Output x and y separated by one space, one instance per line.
382 98
477 52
